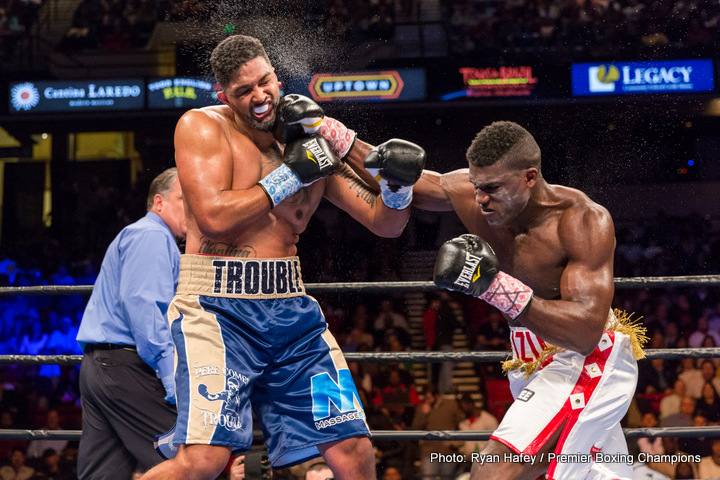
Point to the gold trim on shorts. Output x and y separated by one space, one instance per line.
229 277
617 321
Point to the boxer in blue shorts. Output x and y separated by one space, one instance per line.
253 172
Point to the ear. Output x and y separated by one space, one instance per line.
158 202
531 176
222 97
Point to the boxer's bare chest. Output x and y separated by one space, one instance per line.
536 257
295 210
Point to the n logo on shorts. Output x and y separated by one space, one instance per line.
325 391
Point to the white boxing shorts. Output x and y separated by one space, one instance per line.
585 396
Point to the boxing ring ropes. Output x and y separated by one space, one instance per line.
414 357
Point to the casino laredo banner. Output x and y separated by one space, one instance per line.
76 95
632 78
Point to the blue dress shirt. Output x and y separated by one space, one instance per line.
138 279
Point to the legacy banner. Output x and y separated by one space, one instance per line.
623 78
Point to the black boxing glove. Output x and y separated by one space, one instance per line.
396 165
298 116
468 264
307 160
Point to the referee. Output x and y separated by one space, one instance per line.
127 375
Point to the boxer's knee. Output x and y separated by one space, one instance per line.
194 462
498 462
352 458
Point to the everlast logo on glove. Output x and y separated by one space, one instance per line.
468 274
320 157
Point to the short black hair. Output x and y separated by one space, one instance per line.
504 141
232 53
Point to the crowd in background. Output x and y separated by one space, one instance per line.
476 28
585 28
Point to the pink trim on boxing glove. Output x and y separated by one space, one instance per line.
508 294
340 137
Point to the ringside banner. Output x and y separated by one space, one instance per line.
181 92
630 78
76 95
386 85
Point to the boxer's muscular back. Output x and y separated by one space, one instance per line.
222 159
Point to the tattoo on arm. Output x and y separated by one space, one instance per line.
355 183
222 249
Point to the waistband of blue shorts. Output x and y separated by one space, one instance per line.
228 277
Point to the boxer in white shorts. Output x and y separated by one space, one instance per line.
583 396
555 247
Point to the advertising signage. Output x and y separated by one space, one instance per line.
625 78
498 82
181 92
407 84
76 95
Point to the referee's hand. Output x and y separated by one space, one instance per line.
237 469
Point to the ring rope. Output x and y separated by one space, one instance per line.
414 357
384 287
435 435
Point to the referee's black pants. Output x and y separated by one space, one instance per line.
123 408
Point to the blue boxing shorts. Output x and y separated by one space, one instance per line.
246 335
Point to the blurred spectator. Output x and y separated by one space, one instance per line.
51 468
382 24
476 418
709 404
697 445
17 470
34 340
38 447
337 19
710 465
707 369
670 403
446 321
389 453
389 322
685 470
62 341
684 417
7 447
653 377
641 471
319 471
429 319
652 445
437 413
400 389
696 338
692 377
391 473
670 448
493 335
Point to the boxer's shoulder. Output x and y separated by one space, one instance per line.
579 216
